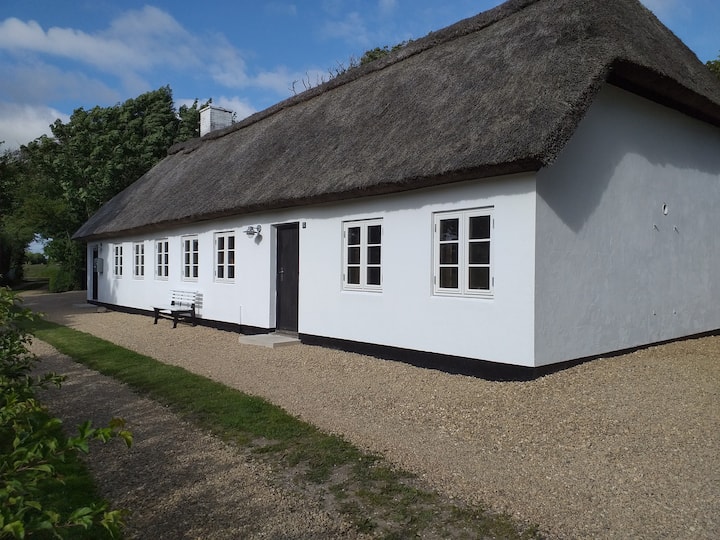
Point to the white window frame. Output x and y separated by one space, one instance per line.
190 257
139 260
118 260
463 264
162 258
225 256
362 263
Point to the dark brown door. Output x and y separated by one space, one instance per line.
288 252
95 273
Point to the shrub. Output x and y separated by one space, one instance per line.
32 446
61 280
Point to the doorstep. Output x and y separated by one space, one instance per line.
271 341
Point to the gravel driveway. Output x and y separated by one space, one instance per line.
623 447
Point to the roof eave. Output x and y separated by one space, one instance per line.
663 90
530 164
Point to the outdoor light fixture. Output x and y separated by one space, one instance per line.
252 231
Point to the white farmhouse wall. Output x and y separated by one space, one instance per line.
404 314
222 301
628 243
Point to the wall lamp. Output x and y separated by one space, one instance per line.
252 231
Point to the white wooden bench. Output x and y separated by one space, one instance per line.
183 306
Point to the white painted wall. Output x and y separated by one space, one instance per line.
613 271
222 301
405 314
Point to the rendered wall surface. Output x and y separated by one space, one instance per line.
404 314
628 248
242 301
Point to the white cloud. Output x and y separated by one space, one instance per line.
33 82
239 106
65 42
228 67
141 42
387 6
154 30
21 124
281 80
135 43
352 29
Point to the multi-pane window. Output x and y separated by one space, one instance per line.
362 255
190 257
139 260
225 256
118 260
463 252
162 259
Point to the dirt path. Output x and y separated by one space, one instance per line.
624 447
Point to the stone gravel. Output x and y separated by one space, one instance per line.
621 447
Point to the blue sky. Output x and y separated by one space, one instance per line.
59 55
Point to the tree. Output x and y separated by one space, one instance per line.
714 66
189 127
14 235
66 178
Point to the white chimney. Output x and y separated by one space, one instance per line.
212 118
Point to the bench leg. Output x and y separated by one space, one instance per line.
157 315
175 320
193 316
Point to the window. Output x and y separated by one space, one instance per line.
362 255
463 252
162 259
191 257
225 256
118 260
139 260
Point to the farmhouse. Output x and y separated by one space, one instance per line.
535 184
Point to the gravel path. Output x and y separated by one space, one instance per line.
624 447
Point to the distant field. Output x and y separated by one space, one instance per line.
39 272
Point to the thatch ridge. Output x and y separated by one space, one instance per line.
434 38
498 93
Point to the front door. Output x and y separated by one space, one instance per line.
95 256
288 255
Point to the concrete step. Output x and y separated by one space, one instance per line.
270 341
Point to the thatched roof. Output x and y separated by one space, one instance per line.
501 92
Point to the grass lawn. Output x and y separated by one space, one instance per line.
376 497
39 272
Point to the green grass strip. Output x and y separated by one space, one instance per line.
375 496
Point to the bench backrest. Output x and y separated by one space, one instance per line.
184 298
